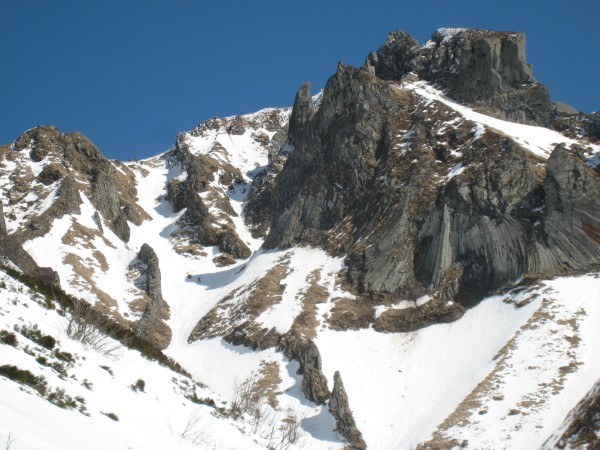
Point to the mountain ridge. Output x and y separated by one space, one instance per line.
399 204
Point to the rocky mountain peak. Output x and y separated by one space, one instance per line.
422 197
483 68
218 160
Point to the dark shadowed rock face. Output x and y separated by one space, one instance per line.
151 327
259 203
2 222
578 124
482 68
340 409
591 125
314 383
420 207
324 176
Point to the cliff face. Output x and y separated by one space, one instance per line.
421 197
482 68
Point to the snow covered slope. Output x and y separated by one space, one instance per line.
76 397
538 140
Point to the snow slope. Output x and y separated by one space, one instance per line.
502 377
539 140
157 417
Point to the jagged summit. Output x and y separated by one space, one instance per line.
483 68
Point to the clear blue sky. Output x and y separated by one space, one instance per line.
131 74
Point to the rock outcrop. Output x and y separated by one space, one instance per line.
259 203
591 125
314 383
151 327
576 124
420 207
340 409
11 251
74 163
49 173
482 68
197 222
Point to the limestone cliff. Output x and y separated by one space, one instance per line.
424 208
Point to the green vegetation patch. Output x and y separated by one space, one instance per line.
8 338
24 377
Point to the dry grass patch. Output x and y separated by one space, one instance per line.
351 314
242 307
139 304
188 249
268 382
101 260
85 272
267 291
80 235
306 323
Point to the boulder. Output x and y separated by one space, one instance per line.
561 109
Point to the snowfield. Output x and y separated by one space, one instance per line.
158 417
533 352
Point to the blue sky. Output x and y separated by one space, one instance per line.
131 74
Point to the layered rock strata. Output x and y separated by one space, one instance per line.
423 208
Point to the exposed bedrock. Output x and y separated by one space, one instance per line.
334 159
79 167
314 383
151 327
482 68
340 409
370 177
200 223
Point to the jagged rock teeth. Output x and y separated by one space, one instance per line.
198 222
302 111
395 59
340 409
